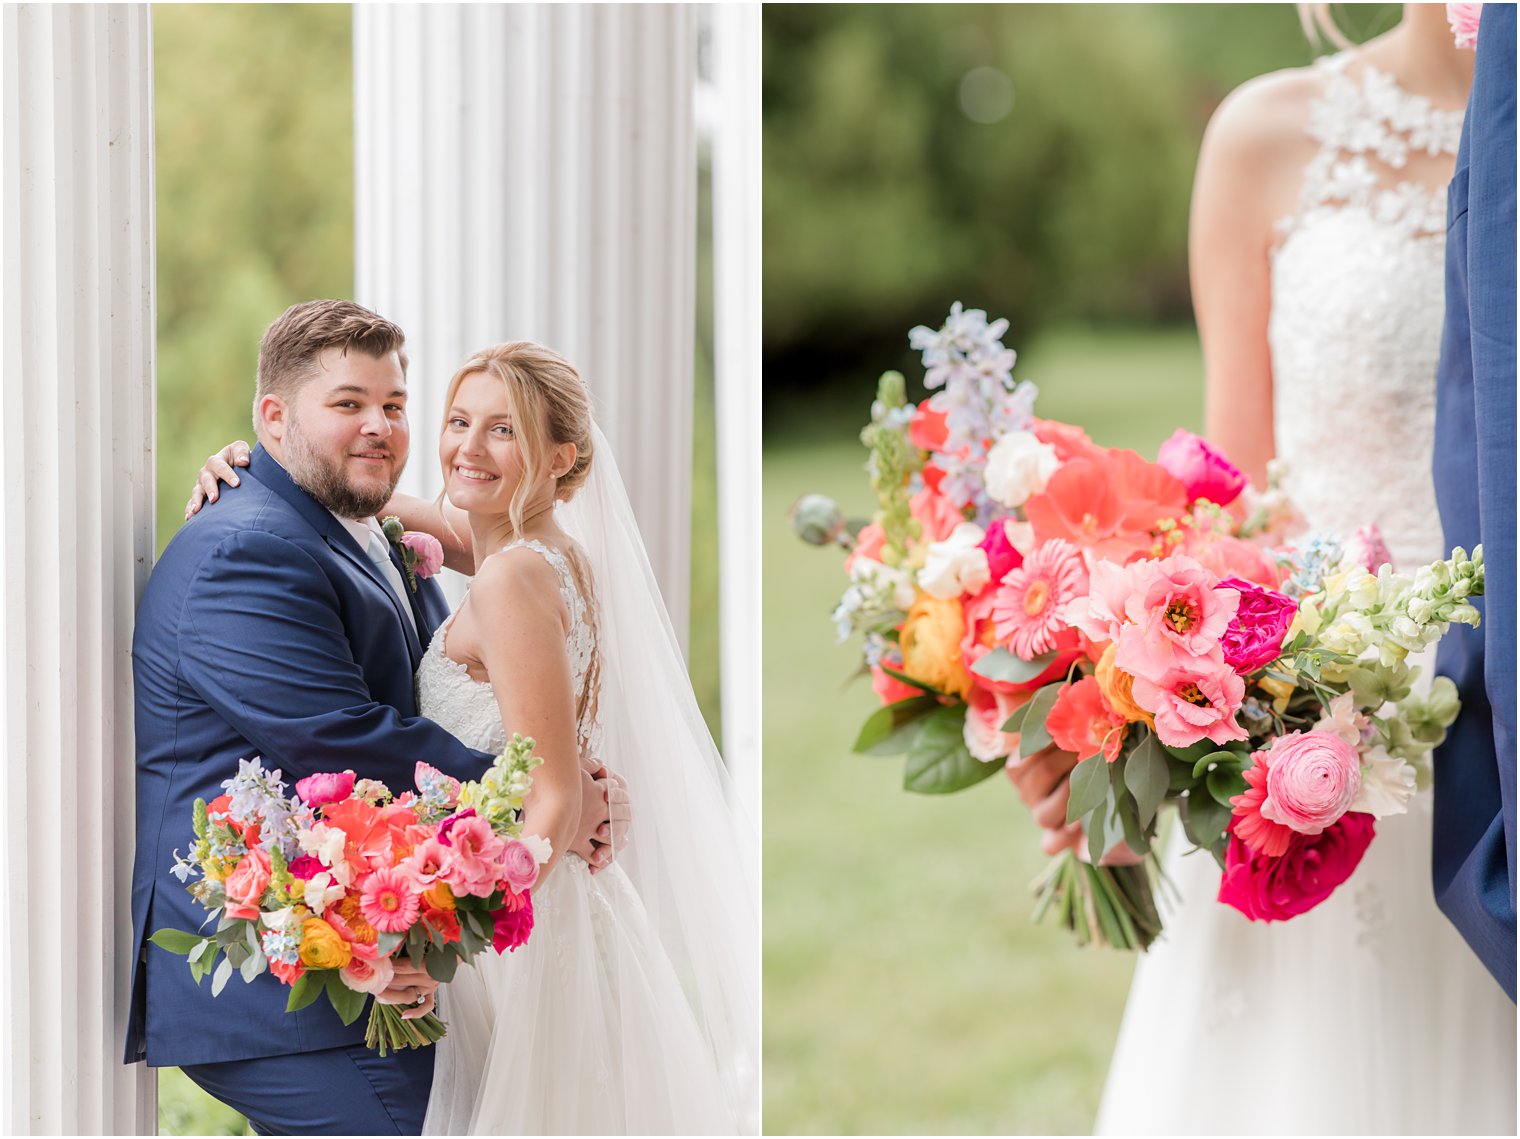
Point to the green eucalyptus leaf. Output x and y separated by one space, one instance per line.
1223 783
1204 818
441 966
307 988
938 762
1033 736
1148 776
1089 787
1002 665
178 942
345 1001
223 975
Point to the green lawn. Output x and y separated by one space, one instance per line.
906 989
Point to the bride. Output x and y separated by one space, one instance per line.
1317 269
633 1007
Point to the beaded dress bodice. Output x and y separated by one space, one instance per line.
1357 307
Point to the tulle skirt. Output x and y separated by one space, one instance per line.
585 1030
1366 1015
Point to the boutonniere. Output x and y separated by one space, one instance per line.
421 554
1464 19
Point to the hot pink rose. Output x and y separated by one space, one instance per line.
428 550
1176 615
513 922
1254 638
306 867
246 885
325 787
1001 556
367 974
1205 472
471 864
518 866
1464 19
1312 780
1192 704
1265 888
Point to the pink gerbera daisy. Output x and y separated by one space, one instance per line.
1026 613
388 901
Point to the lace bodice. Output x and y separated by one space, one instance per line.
449 696
1357 307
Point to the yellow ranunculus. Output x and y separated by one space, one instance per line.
1116 685
931 645
322 947
438 896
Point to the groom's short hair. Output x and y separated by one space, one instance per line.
290 347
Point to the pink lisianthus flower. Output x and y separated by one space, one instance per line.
1193 703
1268 887
1027 609
513 922
325 787
367 974
1200 468
471 865
1254 638
426 862
1176 614
519 866
428 551
1464 20
246 885
388 900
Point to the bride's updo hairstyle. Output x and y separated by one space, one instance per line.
550 406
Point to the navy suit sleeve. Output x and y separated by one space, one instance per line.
262 641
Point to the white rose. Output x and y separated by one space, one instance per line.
1018 466
957 565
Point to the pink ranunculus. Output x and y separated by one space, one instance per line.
367 974
1204 471
1254 638
1367 548
305 867
1464 19
1194 703
1312 780
1274 888
471 866
1177 614
325 787
1001 555
246 885
428 550
986 713
388 900
513 922
518 866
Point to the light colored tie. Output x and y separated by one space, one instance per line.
380 553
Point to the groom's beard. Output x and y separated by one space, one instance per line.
321 476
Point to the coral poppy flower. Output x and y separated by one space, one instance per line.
1028 606
1082 722
1107 504
1069 441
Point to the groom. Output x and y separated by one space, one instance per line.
280 625
1474 836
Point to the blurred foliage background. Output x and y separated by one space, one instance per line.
1034 161
255 190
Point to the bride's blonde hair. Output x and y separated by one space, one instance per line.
1319 25
550 406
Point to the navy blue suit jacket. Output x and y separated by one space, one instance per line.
264 631
1474 841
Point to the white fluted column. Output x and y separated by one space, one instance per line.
736 332
529 172
76 509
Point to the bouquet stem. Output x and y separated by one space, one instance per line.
389 1032
1103 905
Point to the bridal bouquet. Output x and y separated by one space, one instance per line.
1022 586
327 887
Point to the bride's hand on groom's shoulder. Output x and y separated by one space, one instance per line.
606 815
219 468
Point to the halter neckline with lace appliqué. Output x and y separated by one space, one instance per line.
1362 122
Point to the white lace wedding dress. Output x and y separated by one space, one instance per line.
586 1029
1368 1014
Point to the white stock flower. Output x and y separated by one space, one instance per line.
1019 466
957 565
541 847
279 919
1342 719
881 584
321 892
1388 783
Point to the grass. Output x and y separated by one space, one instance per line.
906 988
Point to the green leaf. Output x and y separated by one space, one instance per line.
1147 775
223 975
307 988
890 730
254 965
938 762
1232 759
1016 721
345 1002
441 966
1002 665
201 968
1192 753
1223 783
178 942
1033 736
1089 787
385 943
1204 819
1130 826
910 681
